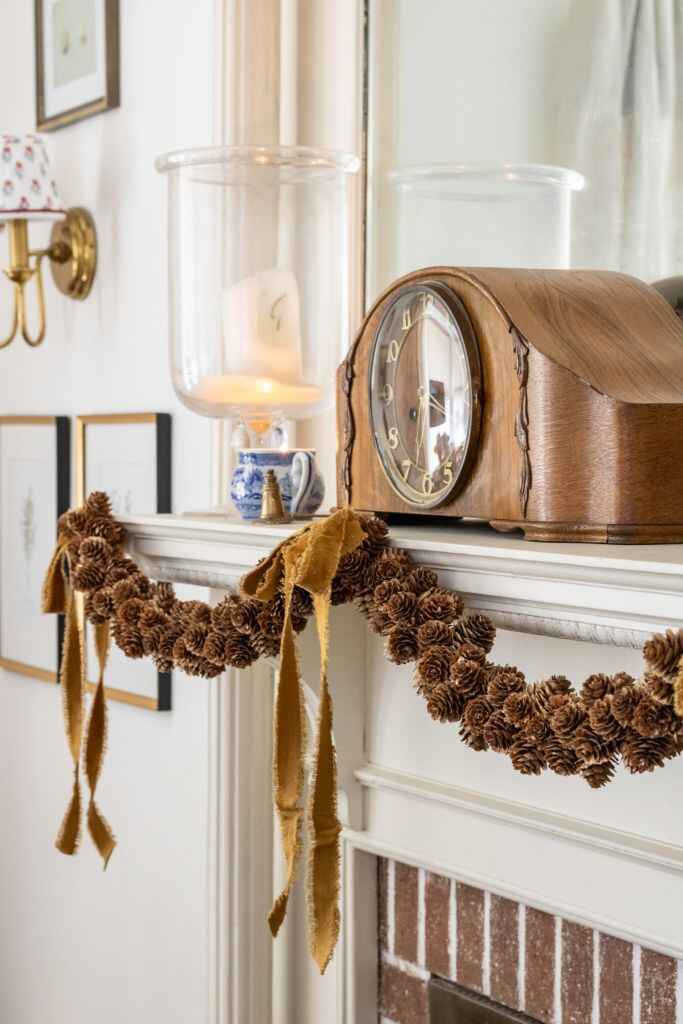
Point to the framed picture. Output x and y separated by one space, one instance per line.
77 60
129 457
34 491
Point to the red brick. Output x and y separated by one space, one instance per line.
657 988
503 921
577 974
616 981
470 950
403 998
382 871
405 910
437 913
540 965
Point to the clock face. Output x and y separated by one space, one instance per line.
425 380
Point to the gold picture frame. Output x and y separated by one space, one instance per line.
162 426
62 495
105 73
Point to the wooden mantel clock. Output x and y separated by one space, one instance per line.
545 401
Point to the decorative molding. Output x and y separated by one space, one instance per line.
595 593
521 354
575 830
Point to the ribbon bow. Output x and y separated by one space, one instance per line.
308 560
58 597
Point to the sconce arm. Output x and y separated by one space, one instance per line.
20 304
15 318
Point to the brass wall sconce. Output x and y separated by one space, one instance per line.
27 192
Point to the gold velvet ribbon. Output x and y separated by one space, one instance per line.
58 597
309 560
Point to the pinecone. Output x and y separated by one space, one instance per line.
434 666
214 649
97 504
596 687
603 721
380 622
434 632
96 549
107 528
470 652
468 677
401 645
343 591
73 522
241 651
517 707
245 615
542 693
621 679
420 580
498 732
501 683
589 747
477 713
624 703
375 530
164 596
354 571
128 638
475 629
195 638
659 688
663 652
527 757
401 607
386 589
265 646
120 569
567 719
444 704
474 740
99 607
600 773
438 604
129 612
652 718
388 567
537 728
561 759
88 575
644 754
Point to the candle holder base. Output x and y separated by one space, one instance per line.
272 508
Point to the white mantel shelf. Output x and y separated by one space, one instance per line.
590 592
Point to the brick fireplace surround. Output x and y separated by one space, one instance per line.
556 971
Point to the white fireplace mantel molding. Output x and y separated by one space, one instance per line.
597 593
410 790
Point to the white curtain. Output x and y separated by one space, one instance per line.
621 127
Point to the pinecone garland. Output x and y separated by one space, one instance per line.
663 651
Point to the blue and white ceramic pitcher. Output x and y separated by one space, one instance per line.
297 473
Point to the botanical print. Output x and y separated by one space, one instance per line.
73 40
28 527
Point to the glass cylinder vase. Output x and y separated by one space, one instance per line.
258 290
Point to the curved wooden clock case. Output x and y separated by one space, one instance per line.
582 408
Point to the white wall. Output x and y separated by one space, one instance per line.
130 944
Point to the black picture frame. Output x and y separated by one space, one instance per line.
162 423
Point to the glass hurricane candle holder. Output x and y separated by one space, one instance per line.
258 290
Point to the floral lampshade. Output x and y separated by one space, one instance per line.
27 188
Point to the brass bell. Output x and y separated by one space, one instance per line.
272 509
